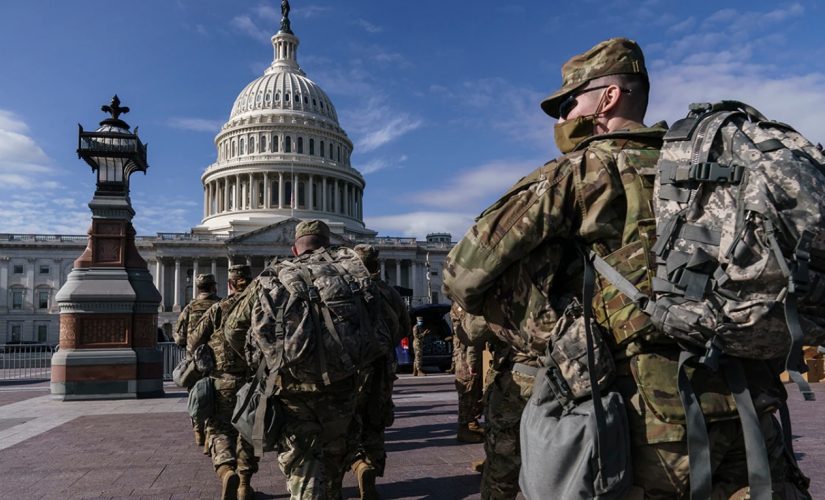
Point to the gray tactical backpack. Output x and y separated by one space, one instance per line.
739 261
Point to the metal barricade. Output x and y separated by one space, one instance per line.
172 354
26 361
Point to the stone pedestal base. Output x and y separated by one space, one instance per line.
82 374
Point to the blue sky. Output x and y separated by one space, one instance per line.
440 98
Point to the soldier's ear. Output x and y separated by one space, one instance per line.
610 99
294 251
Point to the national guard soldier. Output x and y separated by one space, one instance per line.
188 320
467 365
526 246
374 409
225 332
419 331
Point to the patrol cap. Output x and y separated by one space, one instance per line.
240 271
616 56
368 255
312 227
205 279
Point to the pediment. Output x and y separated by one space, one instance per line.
281 233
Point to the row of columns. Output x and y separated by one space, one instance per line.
178 277
257 191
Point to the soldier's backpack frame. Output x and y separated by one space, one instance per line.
739 262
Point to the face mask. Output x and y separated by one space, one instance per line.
571 133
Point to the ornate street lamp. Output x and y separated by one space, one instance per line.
112 151
108 305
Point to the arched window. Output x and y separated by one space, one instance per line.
286 97
288 145
339 154
321 151
275 192
301 194
233 149
311 146
240 147
263 144
288 192
277 96
251 145
330 150
274 143
300 145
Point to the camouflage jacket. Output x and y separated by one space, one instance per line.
518 266
191 314
224 328
394 309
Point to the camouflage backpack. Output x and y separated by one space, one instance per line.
319 317
736 270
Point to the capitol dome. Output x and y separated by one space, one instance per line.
282 154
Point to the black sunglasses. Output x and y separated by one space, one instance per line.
567 105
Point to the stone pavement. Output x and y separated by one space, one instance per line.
144 448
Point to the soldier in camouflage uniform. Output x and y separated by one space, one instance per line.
374 409
467 365
419 331
188 320
225 333
527 242
313 444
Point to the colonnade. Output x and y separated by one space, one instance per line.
282 190
401 272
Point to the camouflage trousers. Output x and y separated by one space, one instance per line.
661 470
312 448
374 412
226 447
467 384
506 395
418 351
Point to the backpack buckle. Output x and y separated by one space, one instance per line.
712 354
716 172
313 293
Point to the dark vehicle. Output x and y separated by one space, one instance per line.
438 345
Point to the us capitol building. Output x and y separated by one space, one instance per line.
281 157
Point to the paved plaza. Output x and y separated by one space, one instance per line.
144 448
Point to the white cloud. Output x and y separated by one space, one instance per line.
377 124
267 12
309 11
472 188
195 124
158 214
721 60
419 224
23 163
43 215
246 25
375 164
368 26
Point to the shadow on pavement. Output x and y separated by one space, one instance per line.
433 488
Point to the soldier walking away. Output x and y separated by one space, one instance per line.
419 331
467 361
374 409
599 195
188 320
225 332
314 381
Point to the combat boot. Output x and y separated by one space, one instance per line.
229 482
474 426
245 491
465 435
365 474
200 437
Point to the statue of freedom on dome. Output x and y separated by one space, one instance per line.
285 17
